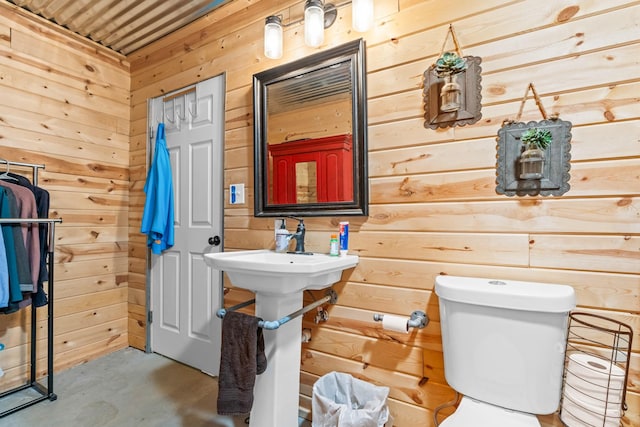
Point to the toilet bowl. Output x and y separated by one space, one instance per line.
504 344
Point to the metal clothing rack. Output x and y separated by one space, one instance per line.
44 392
331 297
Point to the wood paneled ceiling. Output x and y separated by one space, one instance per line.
121 25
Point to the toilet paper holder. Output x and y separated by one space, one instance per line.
596 370
418 319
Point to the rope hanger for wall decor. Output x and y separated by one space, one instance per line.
536 98
451 32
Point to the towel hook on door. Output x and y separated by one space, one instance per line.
164 111
194 112
184 109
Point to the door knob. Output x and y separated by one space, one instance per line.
214 241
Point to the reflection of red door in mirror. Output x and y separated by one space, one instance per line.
333 158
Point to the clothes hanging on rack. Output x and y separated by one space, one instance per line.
13 246
42 205
23 247
26 208
4 272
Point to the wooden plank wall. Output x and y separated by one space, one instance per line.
433 206
64 103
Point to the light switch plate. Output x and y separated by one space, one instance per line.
236 194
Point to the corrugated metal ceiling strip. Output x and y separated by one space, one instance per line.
122 25
164 22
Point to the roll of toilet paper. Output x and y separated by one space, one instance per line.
395 323
577 413
594 381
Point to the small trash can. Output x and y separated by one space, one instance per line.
340 400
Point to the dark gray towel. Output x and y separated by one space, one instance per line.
241 360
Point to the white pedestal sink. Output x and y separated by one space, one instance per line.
278 281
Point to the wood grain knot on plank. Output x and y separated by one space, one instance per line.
568 13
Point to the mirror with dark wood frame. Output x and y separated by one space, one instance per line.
310 135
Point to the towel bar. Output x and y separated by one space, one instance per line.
221 312
331 297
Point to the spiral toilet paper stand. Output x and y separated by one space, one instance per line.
596 371
418 319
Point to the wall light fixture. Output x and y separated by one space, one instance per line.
273 37
317 17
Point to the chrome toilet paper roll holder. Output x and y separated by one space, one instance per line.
418 319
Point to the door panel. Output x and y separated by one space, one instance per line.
170 293
185 292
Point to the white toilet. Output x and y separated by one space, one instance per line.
504 345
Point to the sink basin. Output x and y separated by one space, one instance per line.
269 272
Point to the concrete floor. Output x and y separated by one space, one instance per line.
122 389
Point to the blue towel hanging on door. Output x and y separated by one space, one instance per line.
157 217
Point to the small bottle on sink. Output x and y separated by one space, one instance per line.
334 248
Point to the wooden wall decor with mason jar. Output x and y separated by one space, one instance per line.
452 88
533 158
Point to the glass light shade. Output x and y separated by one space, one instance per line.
362 15
273 37
313 23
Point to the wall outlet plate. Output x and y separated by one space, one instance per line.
236 194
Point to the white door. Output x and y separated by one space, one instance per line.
185 292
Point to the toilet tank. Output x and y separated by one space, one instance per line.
504 341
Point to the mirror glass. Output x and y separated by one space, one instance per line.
310 135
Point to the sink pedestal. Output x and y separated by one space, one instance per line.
277 389
278 281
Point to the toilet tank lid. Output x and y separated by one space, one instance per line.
516 295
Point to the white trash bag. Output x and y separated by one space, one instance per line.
340 400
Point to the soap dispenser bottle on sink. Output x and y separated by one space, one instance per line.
282 237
